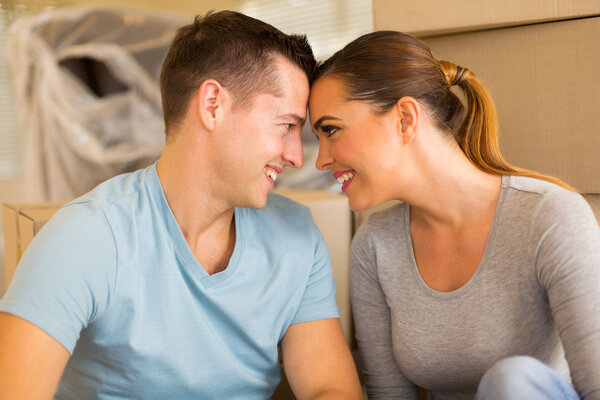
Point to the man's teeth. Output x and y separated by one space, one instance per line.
344 178
271 174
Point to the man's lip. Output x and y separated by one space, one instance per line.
337 174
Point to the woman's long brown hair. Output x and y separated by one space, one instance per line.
383 66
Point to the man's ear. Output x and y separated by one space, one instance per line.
408 111
211 102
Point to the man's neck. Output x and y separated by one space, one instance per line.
206 223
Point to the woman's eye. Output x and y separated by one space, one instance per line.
329 130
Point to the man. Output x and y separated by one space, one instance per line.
177 281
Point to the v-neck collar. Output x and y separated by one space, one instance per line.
176 238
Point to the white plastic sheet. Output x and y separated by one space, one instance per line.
88 100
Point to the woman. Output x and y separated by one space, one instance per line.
485 281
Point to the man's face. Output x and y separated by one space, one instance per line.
262 138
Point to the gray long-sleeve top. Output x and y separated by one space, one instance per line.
535 292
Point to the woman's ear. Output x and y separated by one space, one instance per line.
211 101
408 111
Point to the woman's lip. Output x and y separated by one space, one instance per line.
337 174
347 183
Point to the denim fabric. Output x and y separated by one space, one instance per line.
523 377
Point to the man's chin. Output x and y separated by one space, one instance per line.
259 201
258 206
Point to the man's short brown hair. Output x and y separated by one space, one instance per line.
236 50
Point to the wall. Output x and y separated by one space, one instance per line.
538 59
191 7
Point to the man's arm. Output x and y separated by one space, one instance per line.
318 363
31 361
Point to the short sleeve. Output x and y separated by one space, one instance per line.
65 278
318 300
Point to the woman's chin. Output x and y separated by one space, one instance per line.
359 204
363 204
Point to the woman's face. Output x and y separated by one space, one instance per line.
358 145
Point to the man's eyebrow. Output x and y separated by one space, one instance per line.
299 120
317 124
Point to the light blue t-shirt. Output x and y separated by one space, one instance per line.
112 278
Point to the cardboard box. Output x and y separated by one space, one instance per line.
544 80
433 17
333 217
22 221
594 202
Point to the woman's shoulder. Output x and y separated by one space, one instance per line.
544 192
532 185
380 221
548 201
384 215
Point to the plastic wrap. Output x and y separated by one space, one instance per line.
88 99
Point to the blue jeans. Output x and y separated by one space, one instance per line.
526 378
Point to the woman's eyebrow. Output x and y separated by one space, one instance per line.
319 122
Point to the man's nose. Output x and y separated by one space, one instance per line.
292 155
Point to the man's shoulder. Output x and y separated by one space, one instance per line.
114 189
279 206
280 213
278 202
119 190
94 207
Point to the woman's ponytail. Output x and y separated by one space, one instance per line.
477 135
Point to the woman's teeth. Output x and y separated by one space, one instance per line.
346 177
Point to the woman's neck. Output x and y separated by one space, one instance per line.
444 188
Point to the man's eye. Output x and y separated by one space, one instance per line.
288 127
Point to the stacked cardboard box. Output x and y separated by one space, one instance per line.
21 222
539 61
333 217
424 18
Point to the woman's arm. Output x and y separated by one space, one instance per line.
373 326
566 237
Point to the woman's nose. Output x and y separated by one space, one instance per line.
324 159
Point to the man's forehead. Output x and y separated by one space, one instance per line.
283 92
290 99
283 106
